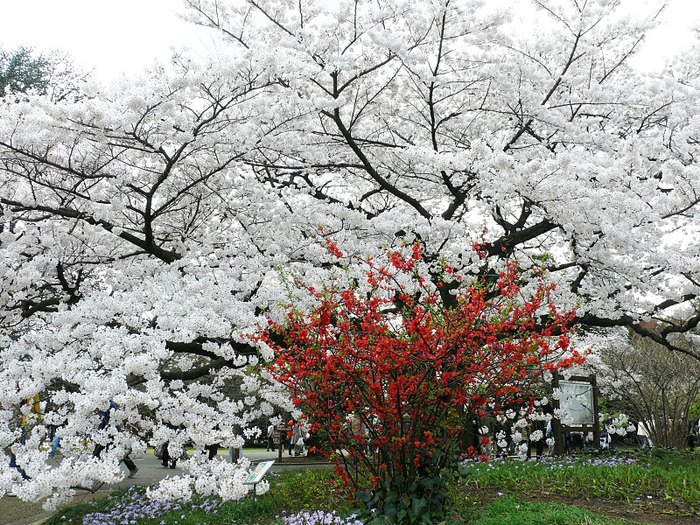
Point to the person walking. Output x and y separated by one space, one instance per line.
290 431
298 438
644 435
55 440
167 460
25 418
610 432
270 438
212 450
105 416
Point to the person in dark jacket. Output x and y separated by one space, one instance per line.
105 416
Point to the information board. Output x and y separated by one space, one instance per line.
577 401
258 473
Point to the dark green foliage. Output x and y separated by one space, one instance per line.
421 501
24 71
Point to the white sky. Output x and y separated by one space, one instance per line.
124 36
109 36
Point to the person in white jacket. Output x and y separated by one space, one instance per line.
643 434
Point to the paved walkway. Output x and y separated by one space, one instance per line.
16 512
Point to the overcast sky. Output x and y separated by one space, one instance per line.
124 36
109 36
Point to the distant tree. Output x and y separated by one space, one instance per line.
23 71
654 386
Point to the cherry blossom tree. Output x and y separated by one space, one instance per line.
439 119
151 227
657 388
129 243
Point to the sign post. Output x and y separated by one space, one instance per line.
281 434
254 478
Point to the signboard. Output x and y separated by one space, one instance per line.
577 401
258 473
281 432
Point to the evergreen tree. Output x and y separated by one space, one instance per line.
53 74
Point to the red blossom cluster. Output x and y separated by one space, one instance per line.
393 378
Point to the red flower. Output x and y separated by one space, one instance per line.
393 378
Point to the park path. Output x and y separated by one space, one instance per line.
14 511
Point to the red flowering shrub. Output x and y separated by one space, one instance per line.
394 378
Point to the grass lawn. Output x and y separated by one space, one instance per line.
660 488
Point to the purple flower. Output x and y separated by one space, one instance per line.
134 506
319 517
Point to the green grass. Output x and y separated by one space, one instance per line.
670 477
508 511
504 511
491 493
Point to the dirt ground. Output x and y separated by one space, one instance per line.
650 511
